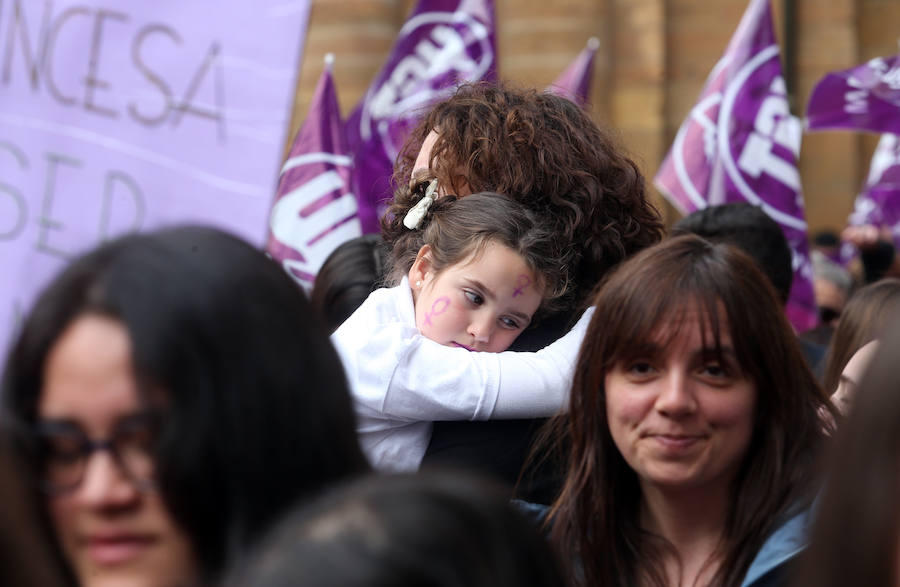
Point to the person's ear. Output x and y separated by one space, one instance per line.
421 270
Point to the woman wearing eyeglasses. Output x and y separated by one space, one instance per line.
174 394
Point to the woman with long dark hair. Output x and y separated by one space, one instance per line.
693 430
172 394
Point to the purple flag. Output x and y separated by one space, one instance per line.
865 97
879 201
443 43
314 209
575 82
740 143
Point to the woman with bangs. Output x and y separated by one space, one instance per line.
693 431
170 396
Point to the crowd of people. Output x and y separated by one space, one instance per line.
522 381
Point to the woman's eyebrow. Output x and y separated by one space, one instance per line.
70 422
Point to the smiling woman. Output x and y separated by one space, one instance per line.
693 426
681 413
159 391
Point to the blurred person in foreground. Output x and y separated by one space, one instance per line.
171 395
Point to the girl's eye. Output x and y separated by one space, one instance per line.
473 297
510 323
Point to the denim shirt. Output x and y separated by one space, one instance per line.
783 545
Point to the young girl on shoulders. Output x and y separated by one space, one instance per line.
430 348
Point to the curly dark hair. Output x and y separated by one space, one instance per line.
546 152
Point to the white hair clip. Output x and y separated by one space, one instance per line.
413 218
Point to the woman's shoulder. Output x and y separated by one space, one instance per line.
534 512
770 567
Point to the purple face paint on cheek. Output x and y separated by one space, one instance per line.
439 306
522 284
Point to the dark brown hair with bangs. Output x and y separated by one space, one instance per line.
596 516
457 229
544 151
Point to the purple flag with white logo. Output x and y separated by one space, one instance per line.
865 97
879 201
740 144
442 43
575 82
314 209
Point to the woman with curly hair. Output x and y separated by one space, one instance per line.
547 153
544 151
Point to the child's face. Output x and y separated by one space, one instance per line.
481 303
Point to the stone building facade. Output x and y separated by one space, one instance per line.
653 60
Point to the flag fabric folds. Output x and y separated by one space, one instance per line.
442 43
740 143
314 209
878 202
575 82
865 97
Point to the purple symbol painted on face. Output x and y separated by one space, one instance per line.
439 306
522 282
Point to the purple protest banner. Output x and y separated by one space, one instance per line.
865 97
119 116
878 203
740 144
314 209
575 82
443 43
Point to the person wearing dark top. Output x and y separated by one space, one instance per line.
546 152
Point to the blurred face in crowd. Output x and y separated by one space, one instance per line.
830 298
680 414
843 396
97 464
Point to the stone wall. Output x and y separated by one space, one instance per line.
653 60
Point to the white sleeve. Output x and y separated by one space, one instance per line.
423 380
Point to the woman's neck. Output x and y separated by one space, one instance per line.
693 522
